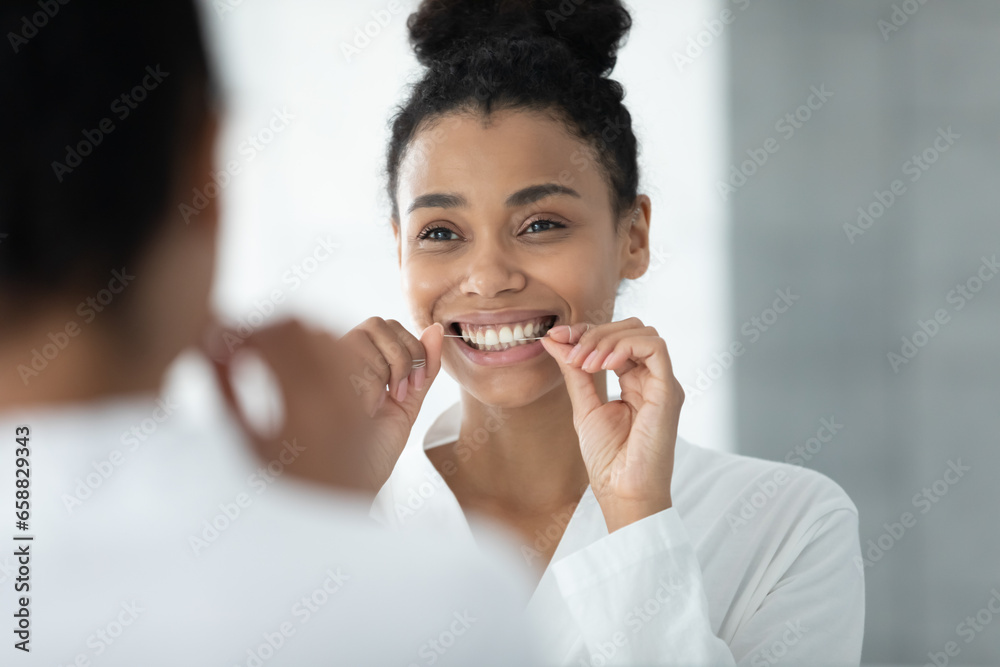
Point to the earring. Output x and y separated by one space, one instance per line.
634 216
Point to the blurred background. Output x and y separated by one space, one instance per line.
824 237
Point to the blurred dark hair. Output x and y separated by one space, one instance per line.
543 55
63 71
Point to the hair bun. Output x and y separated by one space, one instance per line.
591 29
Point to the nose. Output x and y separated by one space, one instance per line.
491 270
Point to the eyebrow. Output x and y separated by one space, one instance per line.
522 197
437 200
533 193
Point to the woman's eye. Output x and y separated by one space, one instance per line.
437 234
546 225
445 234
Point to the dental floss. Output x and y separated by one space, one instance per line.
526 338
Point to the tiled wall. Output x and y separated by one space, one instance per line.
861 289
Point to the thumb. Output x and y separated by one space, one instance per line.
432 340
579 383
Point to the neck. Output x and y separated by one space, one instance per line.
58 358
526 458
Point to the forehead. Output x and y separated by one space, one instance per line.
485 159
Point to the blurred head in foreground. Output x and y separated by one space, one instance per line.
108 127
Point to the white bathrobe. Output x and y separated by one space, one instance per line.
160 540
757 563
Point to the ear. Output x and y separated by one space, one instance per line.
635 239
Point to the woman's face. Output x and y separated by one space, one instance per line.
503 226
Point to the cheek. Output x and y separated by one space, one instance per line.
585 282
424 288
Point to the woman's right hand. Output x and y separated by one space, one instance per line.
381 356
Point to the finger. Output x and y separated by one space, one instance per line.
319 409
393 341
415 350
579 384
650 351
391 344
604 346
620 368
587 340
335 359
568 333
427 364
217 340
425 368
425 353
308 366
288 349
370 382
221 365
281 347
432 339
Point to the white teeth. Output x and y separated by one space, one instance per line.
494 338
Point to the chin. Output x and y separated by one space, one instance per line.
508 391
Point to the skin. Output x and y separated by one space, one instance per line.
558 431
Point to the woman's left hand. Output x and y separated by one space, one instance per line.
627 444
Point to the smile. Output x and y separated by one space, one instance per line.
503 336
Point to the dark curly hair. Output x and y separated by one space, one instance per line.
85 177
551 56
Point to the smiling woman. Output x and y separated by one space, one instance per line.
513 177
